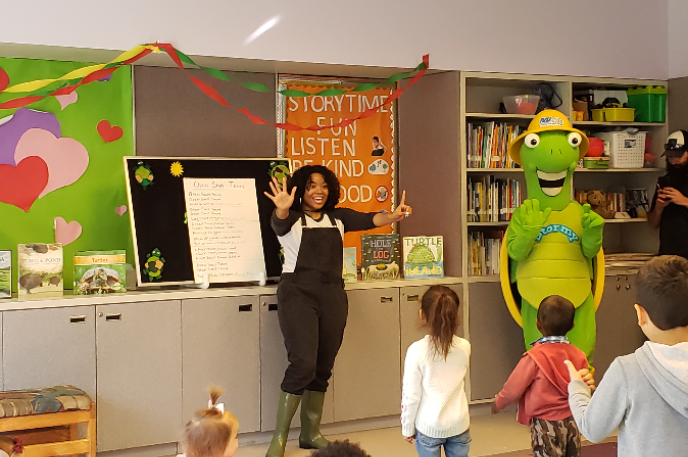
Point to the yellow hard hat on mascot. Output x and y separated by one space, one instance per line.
548 120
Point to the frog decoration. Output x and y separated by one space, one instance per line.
553 245
154 265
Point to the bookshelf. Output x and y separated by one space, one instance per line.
480 96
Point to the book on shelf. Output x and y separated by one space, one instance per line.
487 144
637 203
492 199
380 257
5 274
484 247
40 269
423 257
349 273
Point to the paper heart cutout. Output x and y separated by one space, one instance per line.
67 159
109 133
121 210
4 80
21 185
66 233
12 128
66 100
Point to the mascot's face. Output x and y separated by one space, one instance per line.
549 159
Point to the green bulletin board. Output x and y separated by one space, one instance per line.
71 147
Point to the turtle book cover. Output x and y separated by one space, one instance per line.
5 274
380 257
100 272
350 274
40 270
423 257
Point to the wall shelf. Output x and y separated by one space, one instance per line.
617 124
488 224
499 116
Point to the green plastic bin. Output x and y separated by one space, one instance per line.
649 103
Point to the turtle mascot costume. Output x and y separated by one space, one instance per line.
553 245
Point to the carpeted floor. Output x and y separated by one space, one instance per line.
588 450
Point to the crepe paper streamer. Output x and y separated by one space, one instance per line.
21 185
66 233
70 85
108 132
213 94
67 159
259 87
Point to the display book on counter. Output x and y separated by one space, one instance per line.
5 274
381 257
40 270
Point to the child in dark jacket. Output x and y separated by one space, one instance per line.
539 383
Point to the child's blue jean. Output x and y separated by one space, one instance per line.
454 446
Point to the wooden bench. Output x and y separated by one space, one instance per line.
47 421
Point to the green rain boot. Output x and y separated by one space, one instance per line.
311 414
285 413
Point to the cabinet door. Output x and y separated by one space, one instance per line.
367 370
496 340
50 347
618 332
220 347
412 328
139 378
273 363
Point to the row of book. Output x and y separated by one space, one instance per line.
381 258
491 199
487 144
484 248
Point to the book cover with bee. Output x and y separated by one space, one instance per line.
349 272
423 257
5 274
380 257
40 270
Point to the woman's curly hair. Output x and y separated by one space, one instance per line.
302 177
340 449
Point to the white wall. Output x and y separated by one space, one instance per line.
578 37
678 38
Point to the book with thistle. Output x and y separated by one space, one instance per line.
5 274
40 270
349 272
380 257
423 257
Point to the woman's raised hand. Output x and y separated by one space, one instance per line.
280 197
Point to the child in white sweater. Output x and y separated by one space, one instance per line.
434 408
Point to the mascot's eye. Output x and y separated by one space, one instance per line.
575 139
532 140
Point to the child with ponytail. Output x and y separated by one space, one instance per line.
212 432
434 407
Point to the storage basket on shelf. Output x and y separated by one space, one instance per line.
649 103
626 150
613 115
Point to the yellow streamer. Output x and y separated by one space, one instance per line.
31 86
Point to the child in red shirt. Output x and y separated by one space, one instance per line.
539 383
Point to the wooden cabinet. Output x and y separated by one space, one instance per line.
368 368
139 377
49 347
618 332
273 363
412 329
220 347
496 340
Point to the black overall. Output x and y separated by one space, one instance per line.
313 309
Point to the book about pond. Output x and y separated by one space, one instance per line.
40 270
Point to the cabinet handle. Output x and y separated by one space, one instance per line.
618 287
245 308
412 298
77 319
385 299
272 307
628 287
113 317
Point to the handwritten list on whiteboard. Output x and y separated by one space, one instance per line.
224 229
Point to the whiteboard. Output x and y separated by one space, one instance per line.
224 229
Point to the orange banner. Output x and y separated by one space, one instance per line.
362 155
